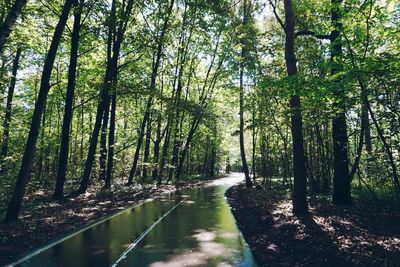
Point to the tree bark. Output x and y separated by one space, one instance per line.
341 179
111 140
103 142
147 149
156 152
241 102
69 99
101 107
299 163
10 94
9 21
254 142
27 159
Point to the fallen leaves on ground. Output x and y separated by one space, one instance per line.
367 234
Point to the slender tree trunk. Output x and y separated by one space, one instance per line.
69 99
140 140
111 140
182 54
27 159
152 88
341 180
254 143
41 151
206 92
103 142
241 101
10 94
164 153
113 98
365 118
299 162
101 107
147 149
213 158
156 152
388 149
8 23
264 155
205 159
115 39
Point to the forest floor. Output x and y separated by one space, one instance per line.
43 220
367 234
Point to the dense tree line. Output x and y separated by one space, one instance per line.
97 92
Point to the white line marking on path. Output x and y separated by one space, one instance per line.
90 225
133 245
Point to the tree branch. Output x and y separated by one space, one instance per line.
313 34
277 16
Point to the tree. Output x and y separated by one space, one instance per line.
15 203
10 94
8 23
246 12
341 180
69 99
160 43
299 166
113 52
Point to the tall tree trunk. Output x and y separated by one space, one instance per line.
115 39
69 99
365 118
388 149
103 142
27 159
8 23
206 93
41 144
100 107
299 162
111 139
147 149
341 179
160 44
141 133
254 141
10 94
156 152
213 157
264 154
164 153
241 101
113 97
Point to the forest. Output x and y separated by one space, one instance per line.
108 102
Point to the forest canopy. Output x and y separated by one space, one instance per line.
100 95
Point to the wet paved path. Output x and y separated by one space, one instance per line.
192 228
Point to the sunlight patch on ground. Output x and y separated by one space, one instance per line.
229 235
204 236
224 264
185 259
207 248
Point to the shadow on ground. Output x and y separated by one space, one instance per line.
363 235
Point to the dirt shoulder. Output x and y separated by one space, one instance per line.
366 234
47 220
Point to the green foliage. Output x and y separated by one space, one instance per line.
202 52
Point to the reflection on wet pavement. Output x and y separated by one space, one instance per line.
200 231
